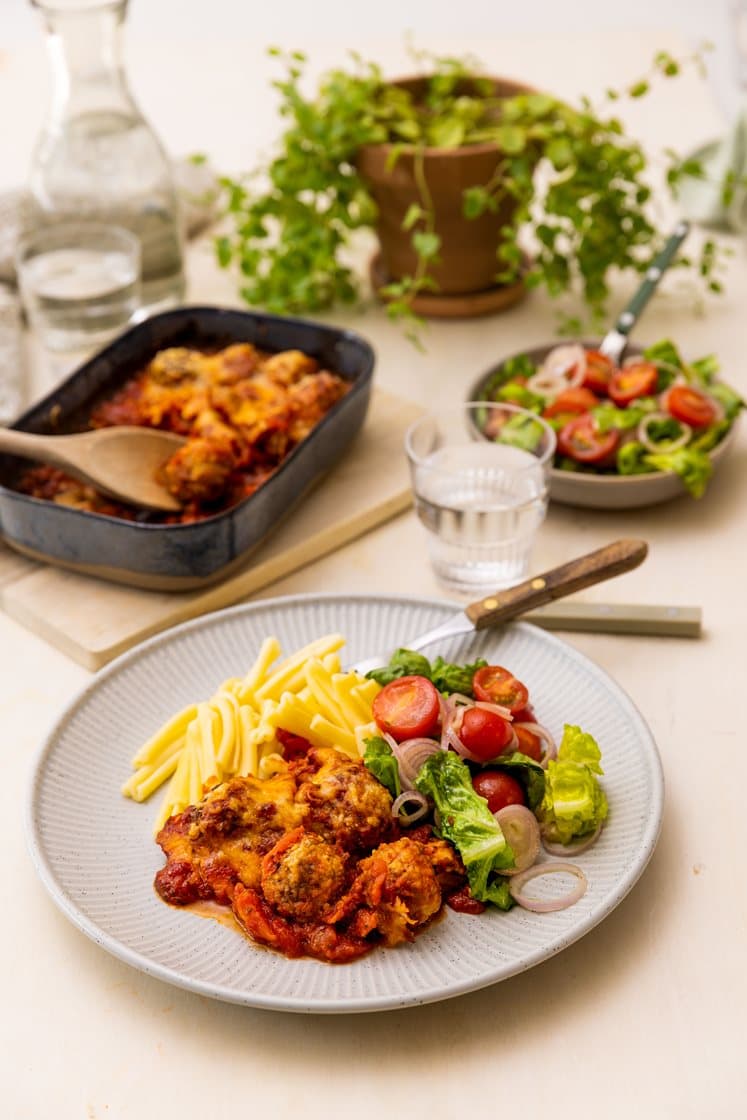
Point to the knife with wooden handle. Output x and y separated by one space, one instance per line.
612 560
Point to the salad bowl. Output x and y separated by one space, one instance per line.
607 488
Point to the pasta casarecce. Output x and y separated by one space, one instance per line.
235 732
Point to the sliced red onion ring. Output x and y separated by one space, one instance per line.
567 361
504 713
452 722
551 747
451 738
547 906
390 740
668 445
410 755
519 826
457 699
512 745
410 797
555 848
548 385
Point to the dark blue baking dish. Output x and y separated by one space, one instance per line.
180 557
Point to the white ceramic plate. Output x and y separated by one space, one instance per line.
95 852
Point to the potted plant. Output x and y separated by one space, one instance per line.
454 171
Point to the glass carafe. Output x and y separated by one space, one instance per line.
97 157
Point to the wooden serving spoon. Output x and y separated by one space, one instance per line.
121 461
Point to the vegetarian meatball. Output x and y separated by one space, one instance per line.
199 471
345 803
401 874
175 365
302 875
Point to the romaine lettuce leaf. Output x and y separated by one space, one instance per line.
579 746
446 676
455 678
690 463
574 803
514 393
664 351
631 458
527 771
523 432
403 663
693 466
519 366
464 819
607 416
705 369
663 430
710 437
727 397
379 759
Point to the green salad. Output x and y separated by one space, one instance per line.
653 413
461 749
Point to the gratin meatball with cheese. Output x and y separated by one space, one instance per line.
395 891
345 802
303 874
199 471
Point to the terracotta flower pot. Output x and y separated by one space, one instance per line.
467 259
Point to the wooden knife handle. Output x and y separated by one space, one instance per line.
612 560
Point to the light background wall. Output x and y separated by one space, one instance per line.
210 58
348 21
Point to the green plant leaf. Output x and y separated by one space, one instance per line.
426 244
415 213
447 133
588 214
511 138
475 201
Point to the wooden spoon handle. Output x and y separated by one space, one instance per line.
28 445
612 560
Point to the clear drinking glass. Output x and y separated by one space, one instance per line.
480 475
80 284
97 158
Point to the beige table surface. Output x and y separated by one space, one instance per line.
642 1017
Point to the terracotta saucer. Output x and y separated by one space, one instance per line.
465 305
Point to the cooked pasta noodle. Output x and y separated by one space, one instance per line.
235 731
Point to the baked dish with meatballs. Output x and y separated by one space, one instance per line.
241 410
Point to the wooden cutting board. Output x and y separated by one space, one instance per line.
93 621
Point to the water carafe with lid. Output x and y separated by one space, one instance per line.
97 158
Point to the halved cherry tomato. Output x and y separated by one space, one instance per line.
691 406
599 370
499 686
294 746
633 381
580 439
571 401
464 902
485 734
529 743
407 707
499 789
525 715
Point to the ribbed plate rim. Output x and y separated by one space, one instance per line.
45 869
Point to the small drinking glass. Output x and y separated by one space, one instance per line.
480 475
80 284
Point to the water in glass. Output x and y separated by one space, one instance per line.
80 296
482 504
